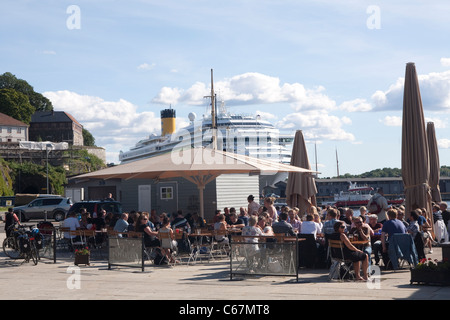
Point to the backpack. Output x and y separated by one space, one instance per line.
373 206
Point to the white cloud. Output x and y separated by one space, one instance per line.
356 105
445 62
168 96
266 115
115 125
392 121
443 143
434 89
317 125
146 66
346 120
251 88
439 123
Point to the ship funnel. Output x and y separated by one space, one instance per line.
167 121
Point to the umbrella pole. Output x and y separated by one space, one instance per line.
201 188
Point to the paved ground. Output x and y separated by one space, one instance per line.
203 281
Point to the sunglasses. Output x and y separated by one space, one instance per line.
342 227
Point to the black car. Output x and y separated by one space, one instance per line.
94 206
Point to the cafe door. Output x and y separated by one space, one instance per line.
144 198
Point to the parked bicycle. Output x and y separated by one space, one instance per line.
23 243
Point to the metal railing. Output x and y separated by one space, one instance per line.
264 256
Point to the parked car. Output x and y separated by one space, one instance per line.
41 208
93 206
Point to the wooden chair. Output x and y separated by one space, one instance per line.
339 262
112 233
219 246
135 234
89 236
61 241
279 237
62 231
167 243
77 239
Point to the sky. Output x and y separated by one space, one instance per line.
333 69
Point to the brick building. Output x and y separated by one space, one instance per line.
56 126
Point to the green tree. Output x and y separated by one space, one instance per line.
37 100
88 138
15 104
31 174
6 183
445 171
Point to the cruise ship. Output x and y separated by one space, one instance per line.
238 133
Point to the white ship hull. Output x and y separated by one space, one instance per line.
247 135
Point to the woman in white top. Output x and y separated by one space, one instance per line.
252 230
167 244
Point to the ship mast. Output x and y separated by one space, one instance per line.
213 113
315 153
337 163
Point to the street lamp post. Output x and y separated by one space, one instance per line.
47 146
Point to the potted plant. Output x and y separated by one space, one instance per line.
82 256
430 271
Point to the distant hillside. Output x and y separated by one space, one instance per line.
390 172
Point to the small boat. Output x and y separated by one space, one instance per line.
357 196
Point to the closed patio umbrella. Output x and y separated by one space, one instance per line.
415 152
199 165
434 163
301 189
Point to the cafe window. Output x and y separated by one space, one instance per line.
166 193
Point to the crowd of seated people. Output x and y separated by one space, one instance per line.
270 219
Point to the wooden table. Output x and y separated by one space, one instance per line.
359 243
198 244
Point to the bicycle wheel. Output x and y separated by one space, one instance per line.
34 253
11 248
